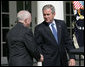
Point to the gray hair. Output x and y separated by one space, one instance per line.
23 14
49 6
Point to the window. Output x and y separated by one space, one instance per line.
68 16
4 26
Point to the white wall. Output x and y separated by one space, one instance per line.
58 9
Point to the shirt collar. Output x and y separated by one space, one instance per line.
52 22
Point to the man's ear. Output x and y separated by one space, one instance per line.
54 14
25 20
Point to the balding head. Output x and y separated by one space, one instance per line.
24 17
23 14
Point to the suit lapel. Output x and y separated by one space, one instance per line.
59 31
49 32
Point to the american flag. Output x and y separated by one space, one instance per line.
77 5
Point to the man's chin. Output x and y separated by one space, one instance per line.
48 21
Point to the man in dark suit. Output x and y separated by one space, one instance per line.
21 44
53 47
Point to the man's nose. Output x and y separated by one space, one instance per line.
46 16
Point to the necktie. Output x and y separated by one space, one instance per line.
54 32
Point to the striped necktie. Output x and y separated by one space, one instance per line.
54 32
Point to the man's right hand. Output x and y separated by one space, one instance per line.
42 58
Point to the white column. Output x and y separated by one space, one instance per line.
13 13
34 14
58 9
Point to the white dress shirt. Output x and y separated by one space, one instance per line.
54 26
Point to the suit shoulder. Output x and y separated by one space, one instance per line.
57 20
39 25
62 22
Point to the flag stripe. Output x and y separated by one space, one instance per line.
77 5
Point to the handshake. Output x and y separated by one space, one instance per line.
41 58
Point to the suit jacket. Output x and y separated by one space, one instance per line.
22 47
55 54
